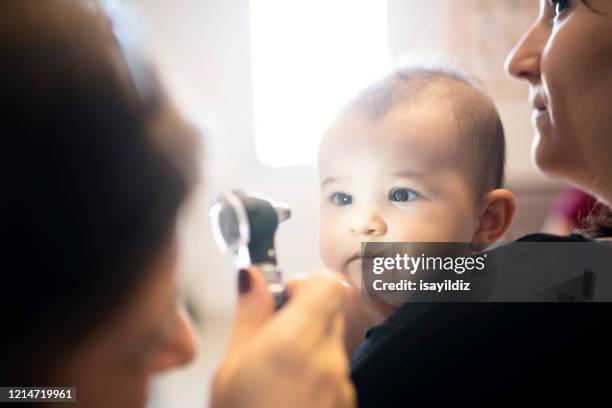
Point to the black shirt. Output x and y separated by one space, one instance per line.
434 354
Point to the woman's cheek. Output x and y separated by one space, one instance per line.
565 82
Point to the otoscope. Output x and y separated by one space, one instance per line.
244 223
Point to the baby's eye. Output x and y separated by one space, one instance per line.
402 194
341 199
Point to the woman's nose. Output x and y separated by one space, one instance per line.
368 223
523 61
179 349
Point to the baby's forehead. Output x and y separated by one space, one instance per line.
430 118
423 134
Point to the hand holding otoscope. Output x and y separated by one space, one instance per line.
245 224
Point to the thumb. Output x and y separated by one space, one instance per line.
254 306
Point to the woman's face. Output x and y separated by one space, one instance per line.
152 333
566 55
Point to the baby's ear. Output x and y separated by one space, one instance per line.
495 214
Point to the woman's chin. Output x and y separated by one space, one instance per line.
544 157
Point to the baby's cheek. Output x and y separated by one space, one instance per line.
329 242
455 224
428 226
408 228
434 222
326 248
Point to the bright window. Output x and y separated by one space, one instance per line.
308 58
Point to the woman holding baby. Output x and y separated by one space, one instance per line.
521 354
91 302
566 56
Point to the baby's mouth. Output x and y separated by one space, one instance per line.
357 256
380 251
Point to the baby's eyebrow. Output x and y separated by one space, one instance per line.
328 180
407 174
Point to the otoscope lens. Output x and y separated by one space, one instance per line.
229 224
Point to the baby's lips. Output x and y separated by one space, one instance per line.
356 255
381 249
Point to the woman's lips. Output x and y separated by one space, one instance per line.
538 113
540 106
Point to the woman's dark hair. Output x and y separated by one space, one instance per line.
97 163
599 225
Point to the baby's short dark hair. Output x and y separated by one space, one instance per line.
473 110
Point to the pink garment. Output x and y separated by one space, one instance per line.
576 206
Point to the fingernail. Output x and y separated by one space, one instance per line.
244 281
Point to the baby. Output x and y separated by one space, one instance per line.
416 157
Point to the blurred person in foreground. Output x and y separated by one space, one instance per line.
99 164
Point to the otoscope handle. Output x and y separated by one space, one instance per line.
280 299
273 277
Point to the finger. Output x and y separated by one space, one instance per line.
348 396
338 330
254 307
336 350
333 356
321 294
293 285
311 311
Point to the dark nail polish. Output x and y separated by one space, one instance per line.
244 281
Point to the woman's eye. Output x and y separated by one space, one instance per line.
403 194
341 199
560 6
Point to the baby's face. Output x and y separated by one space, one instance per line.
398 178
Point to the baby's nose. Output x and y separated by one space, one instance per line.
368 224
